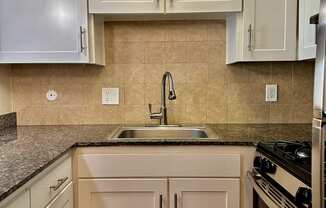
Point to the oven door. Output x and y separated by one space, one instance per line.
265 195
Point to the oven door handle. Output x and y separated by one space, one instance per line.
266 191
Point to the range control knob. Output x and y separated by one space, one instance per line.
303 196
264 165
257 162
267 166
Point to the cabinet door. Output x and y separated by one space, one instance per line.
193 6
122 193
126 6
204 193
43 31
22 201
64 198
270 30
307 32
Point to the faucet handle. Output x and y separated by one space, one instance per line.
154 115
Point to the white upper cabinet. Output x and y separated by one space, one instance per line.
307 32
265 31
126 6
43 31
163 6
193 6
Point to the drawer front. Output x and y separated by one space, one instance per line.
64 199
158 165
45 189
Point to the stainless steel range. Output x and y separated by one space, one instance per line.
281 177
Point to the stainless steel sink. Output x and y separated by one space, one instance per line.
164 133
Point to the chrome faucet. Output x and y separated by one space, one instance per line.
162 115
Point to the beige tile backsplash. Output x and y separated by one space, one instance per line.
137 54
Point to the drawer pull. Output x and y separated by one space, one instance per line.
60 182
161 201
175 200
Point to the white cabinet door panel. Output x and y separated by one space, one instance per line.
204 193
307 32
122 193
42 31
270 30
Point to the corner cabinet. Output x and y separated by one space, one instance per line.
163 6
52 31
265 31
307 32
52 188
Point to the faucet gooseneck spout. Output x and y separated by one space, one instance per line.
162 115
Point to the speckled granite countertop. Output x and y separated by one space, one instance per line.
27 150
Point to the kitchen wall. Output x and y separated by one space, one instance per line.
137 54
5 90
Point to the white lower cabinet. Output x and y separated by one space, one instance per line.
204 193
161 177
122 193
64 198
153 193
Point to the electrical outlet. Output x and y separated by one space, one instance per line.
51 95
110 96
271 93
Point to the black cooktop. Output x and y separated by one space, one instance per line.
295 157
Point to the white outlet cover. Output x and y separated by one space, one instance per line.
271 93
110 96
51 95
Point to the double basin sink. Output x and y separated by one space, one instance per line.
165 132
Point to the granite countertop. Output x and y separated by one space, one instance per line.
27 150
